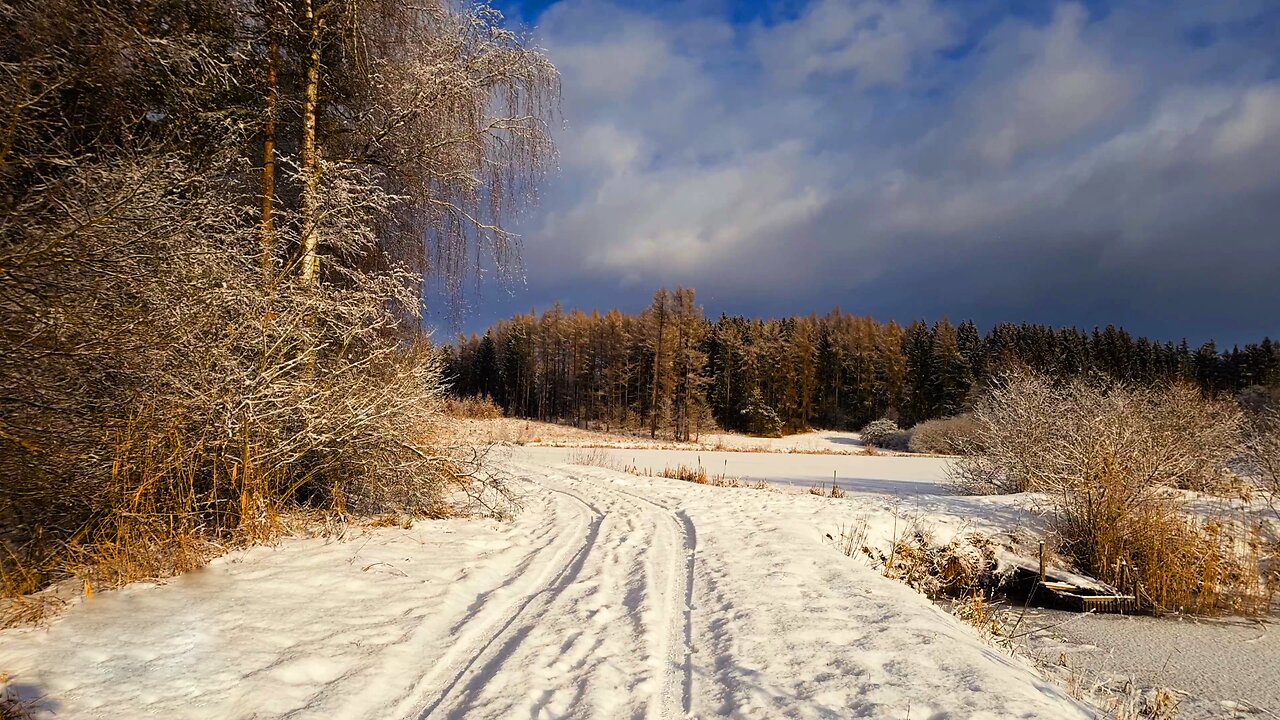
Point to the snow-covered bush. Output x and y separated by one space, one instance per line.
180 403
1113 462
204 332
954 435
1037 435
881 432
957 568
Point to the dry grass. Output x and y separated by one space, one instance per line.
1118 699
696 474
472 408
26 610
852 538
986 617
596 457
1112 462
12 706
1156 551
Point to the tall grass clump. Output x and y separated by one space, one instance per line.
1114 463
472 407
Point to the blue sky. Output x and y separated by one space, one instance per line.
1061 162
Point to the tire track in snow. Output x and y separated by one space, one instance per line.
688 535
564 577
691 545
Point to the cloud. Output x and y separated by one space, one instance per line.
1048 85
877 42
900 157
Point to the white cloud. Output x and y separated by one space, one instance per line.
1254 124
878 41
837 150
1047 86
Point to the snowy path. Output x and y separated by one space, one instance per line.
609 596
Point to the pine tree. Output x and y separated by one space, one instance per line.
918 386
950 377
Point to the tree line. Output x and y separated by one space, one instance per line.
671 369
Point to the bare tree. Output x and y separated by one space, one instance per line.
177 366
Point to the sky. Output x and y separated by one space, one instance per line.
1055 162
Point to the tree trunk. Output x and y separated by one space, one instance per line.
657 365
269 161
309 271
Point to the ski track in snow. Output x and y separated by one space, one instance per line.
609 596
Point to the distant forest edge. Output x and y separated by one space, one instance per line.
670 369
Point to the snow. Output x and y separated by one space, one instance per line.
1213 666
532 433
899 476
818 441
608 596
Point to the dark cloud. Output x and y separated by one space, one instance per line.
1076 165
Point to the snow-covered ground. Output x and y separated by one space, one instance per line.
608 596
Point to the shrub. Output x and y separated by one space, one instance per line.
1054 438
1110 460
178 405
599 457
474 407
1262 448
955 435
1147 545
688 473
954 569
881 433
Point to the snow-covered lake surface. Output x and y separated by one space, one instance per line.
610 595
899 476
1215 667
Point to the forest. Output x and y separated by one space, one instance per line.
671 369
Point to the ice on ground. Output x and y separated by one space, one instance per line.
1214 667
609 596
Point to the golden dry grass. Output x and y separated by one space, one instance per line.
472 408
